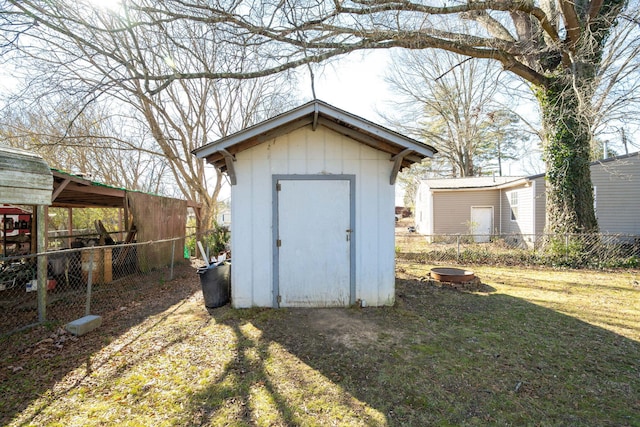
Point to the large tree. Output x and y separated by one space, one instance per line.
65 73
557 46
99 144
455 105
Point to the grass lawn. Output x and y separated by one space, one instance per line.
536 347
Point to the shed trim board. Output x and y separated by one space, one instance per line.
351 179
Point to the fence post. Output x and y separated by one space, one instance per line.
87 310
41 263
458 252
566 248
173 255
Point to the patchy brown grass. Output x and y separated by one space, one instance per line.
538 347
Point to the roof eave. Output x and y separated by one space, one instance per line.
313 113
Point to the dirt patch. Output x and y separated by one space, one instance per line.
339 326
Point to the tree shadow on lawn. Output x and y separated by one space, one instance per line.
35 360
438 356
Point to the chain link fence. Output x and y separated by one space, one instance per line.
597 251
89 280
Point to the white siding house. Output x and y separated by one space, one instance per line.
312 208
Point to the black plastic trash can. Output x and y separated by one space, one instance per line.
216 284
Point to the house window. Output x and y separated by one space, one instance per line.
513 201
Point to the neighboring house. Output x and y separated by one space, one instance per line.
516 205
312 207
481 206
223 216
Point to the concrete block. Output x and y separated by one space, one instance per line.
84 324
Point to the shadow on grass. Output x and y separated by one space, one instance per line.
35 360
438 357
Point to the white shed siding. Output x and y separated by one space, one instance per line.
307 152
618 192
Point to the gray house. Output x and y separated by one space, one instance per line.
516 205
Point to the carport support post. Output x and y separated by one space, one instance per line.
41 263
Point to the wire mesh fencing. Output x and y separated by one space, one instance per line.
81 281
598 251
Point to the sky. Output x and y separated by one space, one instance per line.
353 83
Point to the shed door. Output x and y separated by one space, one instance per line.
482 220
314 262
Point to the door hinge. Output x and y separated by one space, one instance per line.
278 243
279 299
278 187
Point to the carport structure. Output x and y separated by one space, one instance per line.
30 187
152 214
145 217
76 191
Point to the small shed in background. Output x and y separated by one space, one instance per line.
25 179
312 207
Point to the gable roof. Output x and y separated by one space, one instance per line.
316 113
474 182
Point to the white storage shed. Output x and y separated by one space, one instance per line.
312 208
